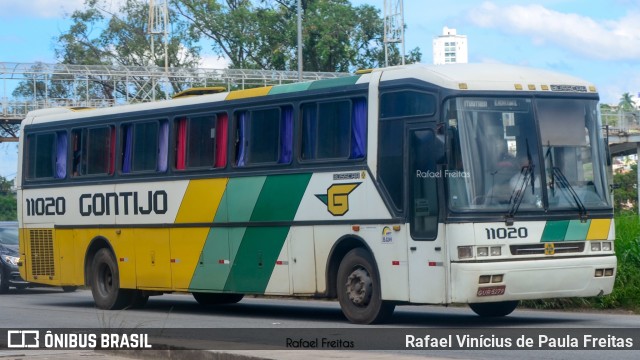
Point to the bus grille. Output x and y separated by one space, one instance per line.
538 249
42 252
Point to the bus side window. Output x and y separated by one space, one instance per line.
334 130
145 146
47 155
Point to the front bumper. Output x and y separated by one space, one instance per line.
532 279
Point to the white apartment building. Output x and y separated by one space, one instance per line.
450 47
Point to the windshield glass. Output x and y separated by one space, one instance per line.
494 157
496 163
569 133
8 236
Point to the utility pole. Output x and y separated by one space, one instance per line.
393 27
299 40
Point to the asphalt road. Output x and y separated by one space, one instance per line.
50 308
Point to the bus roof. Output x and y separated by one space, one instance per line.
492 77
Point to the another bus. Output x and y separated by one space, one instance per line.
480 184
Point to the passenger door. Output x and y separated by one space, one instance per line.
427 272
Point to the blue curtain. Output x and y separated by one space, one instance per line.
309 132
128 148
163 146
242 138
286 136
359 129
61 155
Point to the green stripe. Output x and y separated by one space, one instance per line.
237 204
555 230
577 230
242 195
252 251
257 254
343 81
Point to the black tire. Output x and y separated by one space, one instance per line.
494 309
216 299
358 288
105 283
69 289
4 282
138 299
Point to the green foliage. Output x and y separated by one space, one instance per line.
627 191
8 205
99 37
263 34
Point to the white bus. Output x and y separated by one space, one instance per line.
479 184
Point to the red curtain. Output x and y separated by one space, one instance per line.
221 140
181 144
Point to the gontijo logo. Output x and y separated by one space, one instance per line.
337 198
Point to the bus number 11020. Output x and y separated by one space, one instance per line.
507 233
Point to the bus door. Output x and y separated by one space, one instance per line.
425 150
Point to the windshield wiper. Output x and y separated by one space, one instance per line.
518 192
526 174
563 182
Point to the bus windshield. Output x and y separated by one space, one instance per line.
499 164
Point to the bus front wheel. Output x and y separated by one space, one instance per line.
359 289
494 309
105 284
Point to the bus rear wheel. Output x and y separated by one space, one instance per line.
216 299
494 309
105 283
359 289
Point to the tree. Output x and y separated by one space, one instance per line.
8 205
98 36
263 34
626 102
626 194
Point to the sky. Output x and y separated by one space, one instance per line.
597 40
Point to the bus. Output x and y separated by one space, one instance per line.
478 184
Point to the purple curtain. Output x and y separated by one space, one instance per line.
61 155
128 148
359 129
242 138
163 146
286 136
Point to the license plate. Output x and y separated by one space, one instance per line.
491 290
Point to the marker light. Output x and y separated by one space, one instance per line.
496 251
465 252
483 251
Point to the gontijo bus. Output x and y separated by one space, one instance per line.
478 184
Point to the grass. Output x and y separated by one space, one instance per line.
626 290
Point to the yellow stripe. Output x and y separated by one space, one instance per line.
599 229
201 200
186 247
241 94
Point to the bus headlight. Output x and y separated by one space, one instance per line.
595 246
606 246
465 252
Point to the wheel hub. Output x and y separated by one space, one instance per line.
359 287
